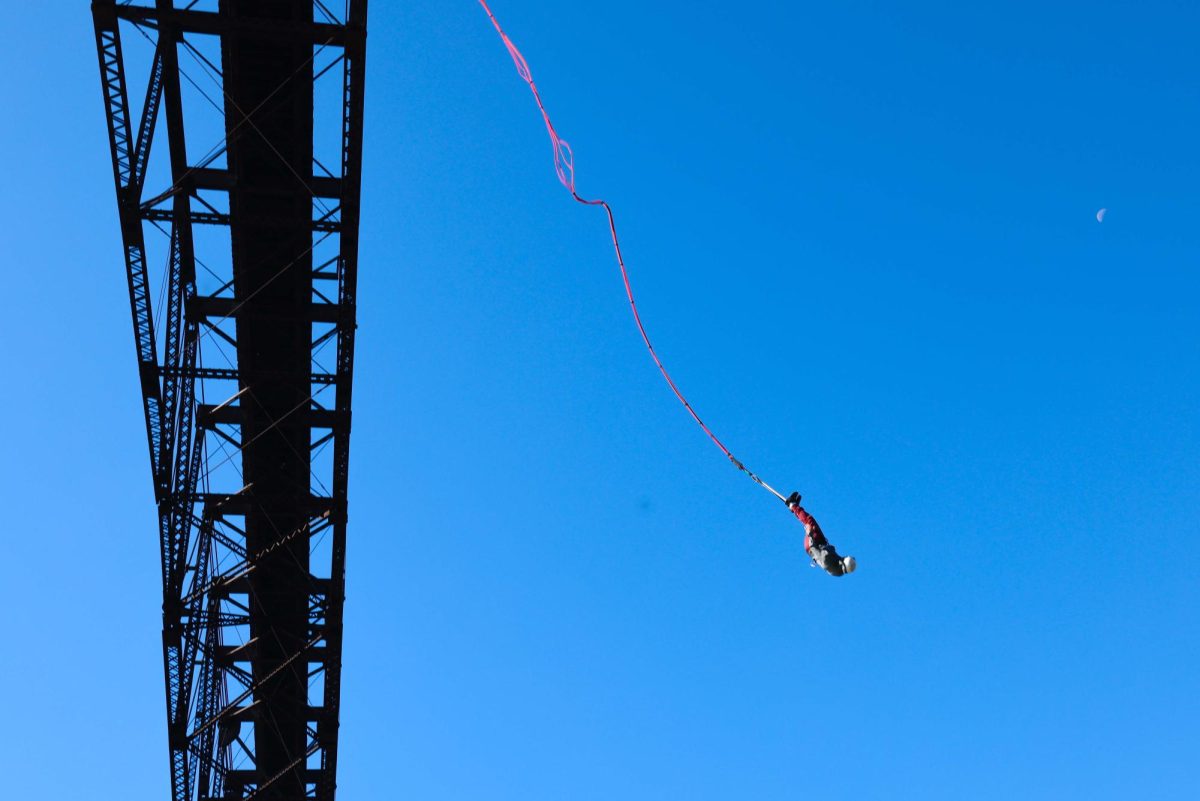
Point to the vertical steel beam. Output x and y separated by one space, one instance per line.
352 119
124 159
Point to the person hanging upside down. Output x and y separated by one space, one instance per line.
824 555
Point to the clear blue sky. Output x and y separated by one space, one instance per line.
863 238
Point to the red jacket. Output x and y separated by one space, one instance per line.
812 529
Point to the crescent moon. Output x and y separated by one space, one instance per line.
1100 215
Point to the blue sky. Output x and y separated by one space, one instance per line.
863 239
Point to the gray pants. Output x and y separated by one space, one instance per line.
826 557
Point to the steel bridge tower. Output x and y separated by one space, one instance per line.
241 249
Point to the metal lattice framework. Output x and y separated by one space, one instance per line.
245 363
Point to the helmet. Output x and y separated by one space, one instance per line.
848 564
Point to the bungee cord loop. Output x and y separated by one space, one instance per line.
564 168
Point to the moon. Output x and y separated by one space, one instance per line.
1100 215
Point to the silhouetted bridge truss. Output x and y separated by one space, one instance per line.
240 233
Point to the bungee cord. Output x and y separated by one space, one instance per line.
564 167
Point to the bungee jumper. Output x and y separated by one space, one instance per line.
815 545
819 549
